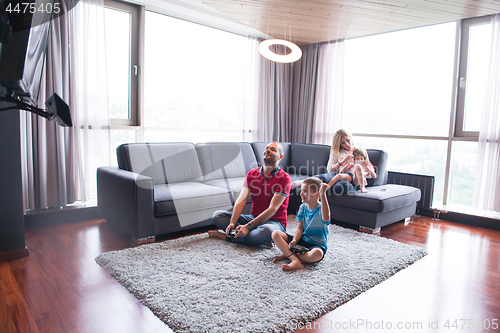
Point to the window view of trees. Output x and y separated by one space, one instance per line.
463 169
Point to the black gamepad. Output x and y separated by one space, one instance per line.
298 249
233 232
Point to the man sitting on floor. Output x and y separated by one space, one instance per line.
269 188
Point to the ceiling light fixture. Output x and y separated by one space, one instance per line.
266 52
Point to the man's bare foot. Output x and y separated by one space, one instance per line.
216 234
279 257
270 244
295 264
364 190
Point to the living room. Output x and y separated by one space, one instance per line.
428 134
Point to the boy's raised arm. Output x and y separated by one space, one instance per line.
325 208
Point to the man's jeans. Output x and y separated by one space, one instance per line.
257 236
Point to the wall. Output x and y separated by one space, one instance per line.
12 241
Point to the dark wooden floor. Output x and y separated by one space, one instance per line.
60 288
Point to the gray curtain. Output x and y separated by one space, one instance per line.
304 91
47 146
293 100
59 164
274 99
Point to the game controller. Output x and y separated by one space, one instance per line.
233 232
298 249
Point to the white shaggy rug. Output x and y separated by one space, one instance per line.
201 284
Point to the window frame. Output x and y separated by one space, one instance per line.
462 76
134 70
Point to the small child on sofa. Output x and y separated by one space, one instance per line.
312 232
356 172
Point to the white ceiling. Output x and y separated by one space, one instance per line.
309 22
196 11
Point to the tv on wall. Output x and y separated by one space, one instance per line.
24 32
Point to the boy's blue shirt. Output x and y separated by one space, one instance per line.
315 229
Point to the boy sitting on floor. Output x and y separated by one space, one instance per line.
312 232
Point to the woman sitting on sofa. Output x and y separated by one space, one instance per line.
340 154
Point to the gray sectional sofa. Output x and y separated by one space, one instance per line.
161 188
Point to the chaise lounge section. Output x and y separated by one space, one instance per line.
162 188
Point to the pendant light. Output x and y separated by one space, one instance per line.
266 52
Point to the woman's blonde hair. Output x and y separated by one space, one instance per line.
336 142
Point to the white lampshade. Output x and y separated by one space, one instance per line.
264 49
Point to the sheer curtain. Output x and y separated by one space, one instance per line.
91 93
329 92
59 164
253 73
487 185
298 102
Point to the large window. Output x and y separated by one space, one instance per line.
193 82
405 90
398 88
172 80
400 83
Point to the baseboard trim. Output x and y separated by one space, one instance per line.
15 254
472 220
51 216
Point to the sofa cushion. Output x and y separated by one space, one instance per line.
181 197
260 147
225 160
233 184
164 162
308 159
378 199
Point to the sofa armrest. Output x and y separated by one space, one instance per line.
125 200
379 160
